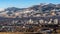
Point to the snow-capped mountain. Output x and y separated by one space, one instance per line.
13 11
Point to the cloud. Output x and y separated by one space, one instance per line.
2 9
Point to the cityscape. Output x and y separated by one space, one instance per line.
29 17
39 19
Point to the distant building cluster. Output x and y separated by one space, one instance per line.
25 25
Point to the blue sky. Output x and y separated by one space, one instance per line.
24 3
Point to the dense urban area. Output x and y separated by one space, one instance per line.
38 18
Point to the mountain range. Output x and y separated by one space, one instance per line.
42 8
